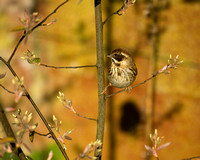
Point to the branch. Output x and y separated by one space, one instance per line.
191 158
37 109
41 134
122 90
31 58
122 10
68 104
85 117
36 26
9 90
117 12
67 67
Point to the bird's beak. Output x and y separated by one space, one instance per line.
109 56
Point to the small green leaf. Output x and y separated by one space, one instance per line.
6 140
19 112
31 135
36 60
18 28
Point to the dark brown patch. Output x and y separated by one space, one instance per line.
118 56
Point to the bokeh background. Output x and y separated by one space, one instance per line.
169 103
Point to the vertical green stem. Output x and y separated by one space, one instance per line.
100 74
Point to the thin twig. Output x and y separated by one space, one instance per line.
41 134
72 109
36 26
117 12
16 47
55 10
191 158
154 75
86 117
67 67
9 90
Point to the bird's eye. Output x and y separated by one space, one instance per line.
118 57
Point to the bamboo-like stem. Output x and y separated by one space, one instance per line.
9 132
100 75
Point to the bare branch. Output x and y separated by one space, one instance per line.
36 108
68 104
86 117
122 90
67 67
191 158
110 16
8 90
41 134
36 26
122 10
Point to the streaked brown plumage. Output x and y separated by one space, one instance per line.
122 71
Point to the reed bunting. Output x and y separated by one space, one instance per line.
122 71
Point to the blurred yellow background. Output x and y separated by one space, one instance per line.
71 41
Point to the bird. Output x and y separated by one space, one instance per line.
122 71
